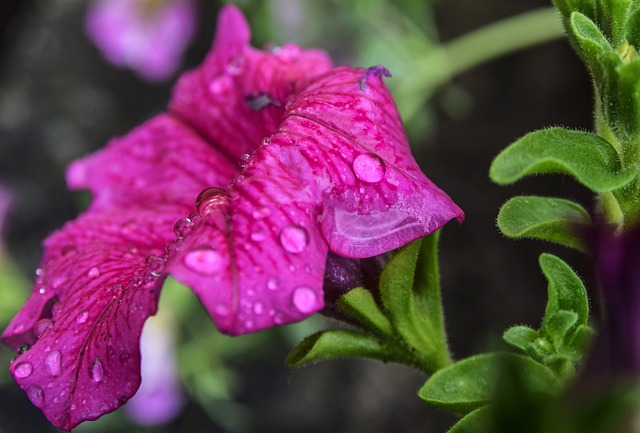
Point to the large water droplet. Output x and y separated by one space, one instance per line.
93 273
23 369
96 370
155 265
36 395
294 239
369 167
82 317
273 283
53 363
258 308
204 259
304 299
213 206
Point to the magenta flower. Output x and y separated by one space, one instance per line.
324 165
148 36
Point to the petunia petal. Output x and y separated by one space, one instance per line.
238 95
375 198
161 161
99 281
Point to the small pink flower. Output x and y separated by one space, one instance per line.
286 159
148 36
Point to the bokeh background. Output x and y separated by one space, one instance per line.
59 100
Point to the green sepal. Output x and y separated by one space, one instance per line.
632 28
478 421
520 336
410 294
612 15
620 100
360 305
546 218
341 343
559 325
591 43
471 383
587 157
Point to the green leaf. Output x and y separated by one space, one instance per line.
478 421
612 15
558 325
565 290
471 383
341 344
591 43
545 218
632 28
361 306
520 336
587 157
587 7
409 290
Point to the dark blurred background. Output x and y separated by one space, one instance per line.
60 100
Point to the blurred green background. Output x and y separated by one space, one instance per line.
60 100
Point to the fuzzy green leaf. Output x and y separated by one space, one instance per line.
591 43
565 291
612 15
587 157
471 383
558 326
361 306
545 218
340 344
477 421
520 336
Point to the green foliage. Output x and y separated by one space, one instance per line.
547 218
404 325
470 384
564 334
590 159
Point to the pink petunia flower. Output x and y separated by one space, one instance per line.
147 36
286 159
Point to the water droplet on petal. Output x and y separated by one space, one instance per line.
42 326
96 371
23 369
258 308
258 235
220 85
53 363
261 213
82 317
235 65
182 227
249 325
273 283
204 259
369 167
36 395
213 206
305 300
155 265
24 348
58 281
93 273
244 158
266 141
221 310
294 239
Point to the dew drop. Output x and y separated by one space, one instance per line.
96 371
204 260
266 141
244 159
53 363
82 317
273 283
261 213
93 273
258 235
294 239
182 227
220 85
369 167
258 308
58 281
155 265
304 299
221 310
24 348
42 326
212 204
23 369
249 324
36 395
42 290
235 65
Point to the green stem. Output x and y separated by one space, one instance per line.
477 47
